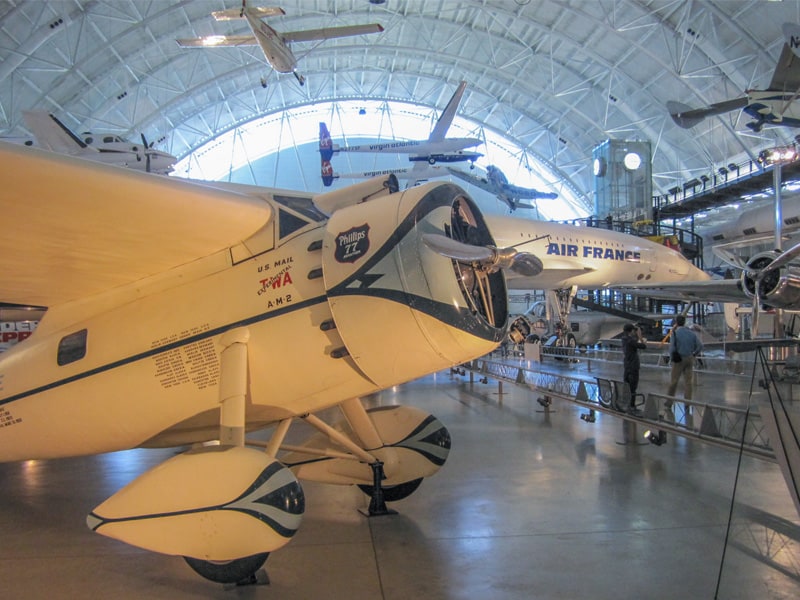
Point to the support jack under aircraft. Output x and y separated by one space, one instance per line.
274 44
438 148
775 105
497 183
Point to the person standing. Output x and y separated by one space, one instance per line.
632 342
684 346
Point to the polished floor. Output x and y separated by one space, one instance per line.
530 505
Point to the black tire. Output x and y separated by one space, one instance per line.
393 493
239 570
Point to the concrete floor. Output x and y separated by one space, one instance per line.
529 505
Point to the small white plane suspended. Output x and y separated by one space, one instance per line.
496 183
775 105
274 44
437 148
51 134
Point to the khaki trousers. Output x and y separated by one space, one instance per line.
684 369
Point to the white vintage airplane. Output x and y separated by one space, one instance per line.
193 313
775 105
274 44
437 148
496 183
51 134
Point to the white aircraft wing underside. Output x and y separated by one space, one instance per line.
310 35
76 228
212 41
712 290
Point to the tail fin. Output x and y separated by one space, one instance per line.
51 134
327 173
325 143
791 35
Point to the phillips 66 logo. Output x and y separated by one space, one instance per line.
352 244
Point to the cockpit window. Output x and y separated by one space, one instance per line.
295 213
302 205
72 347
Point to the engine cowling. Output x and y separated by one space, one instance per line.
402 309
777 289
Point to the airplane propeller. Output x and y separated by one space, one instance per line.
758 275
522 263
146 153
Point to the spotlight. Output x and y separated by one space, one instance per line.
589 417
658 438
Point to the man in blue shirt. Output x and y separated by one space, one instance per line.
683 342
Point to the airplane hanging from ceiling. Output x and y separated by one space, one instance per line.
775 105
274 44
437 148
51 134
496 183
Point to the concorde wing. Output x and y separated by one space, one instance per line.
310 35
711 290
73 228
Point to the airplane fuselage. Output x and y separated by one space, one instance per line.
276 51
774 107
315 337
418 147
589 257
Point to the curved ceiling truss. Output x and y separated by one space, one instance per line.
555 77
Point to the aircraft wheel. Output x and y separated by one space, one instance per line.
393 493
239 570
570 342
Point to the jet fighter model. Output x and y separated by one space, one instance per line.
775 105
496 183
274 44
188 313
51 134
437 148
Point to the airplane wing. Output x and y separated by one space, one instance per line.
479 182
687 117
529 193
711 290
446 118
212 41
310 35
787 72
81 227
52 134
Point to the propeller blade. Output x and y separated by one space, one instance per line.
522 263
783 259
756 310
459 251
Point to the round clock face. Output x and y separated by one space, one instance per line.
599 167
632 161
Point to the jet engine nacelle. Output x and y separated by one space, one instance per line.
402 309
777 289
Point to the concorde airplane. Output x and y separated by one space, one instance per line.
274 44
51 134
184 313
437 148
497 183
775 105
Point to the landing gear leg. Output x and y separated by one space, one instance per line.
377 503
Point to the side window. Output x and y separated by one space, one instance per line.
72 347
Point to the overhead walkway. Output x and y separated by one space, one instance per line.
730 427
